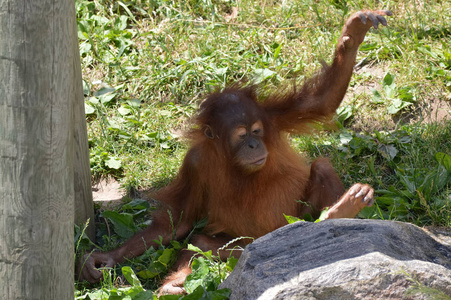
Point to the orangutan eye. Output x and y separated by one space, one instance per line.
257 128
240 133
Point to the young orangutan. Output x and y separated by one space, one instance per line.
240 172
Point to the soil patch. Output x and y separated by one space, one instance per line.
108 192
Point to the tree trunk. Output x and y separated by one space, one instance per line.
37 148
84 209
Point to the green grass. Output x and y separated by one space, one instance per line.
147 64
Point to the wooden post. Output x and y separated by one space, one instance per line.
84 206
36 149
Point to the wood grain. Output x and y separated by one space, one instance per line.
36 148
84 207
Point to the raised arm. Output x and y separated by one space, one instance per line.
321 95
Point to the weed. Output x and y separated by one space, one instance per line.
395 98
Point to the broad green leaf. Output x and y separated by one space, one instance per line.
388 79
408 182
307 218
345 138
144 295
404 139
113 163
82 27
93 100
344 112
131 277
389 85
323 215
207 254
101 19
194 248
392 110
147 274
104 91
447 61
197 277
134 102
122 222
291 219
106 98
231 263
444 159
196 294
86 88
89 110
113 125
154 268
365 47
164 145
443 178
406 94
368 212
123 19
390 91
99 294
167 256
85 48
262 75
221 71
137 204
377 97
124 111
277 51
220 294
165 113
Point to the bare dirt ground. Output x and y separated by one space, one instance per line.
108 192
368 117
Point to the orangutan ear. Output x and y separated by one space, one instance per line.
209 132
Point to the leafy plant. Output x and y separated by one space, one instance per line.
420 192
122 222
208 273
343 113
156 263
381 143
440 66
396 98
134 291
307 217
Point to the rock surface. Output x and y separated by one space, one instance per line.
343 259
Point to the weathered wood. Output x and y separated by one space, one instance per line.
84 206
36 149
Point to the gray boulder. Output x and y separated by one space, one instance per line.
344 259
